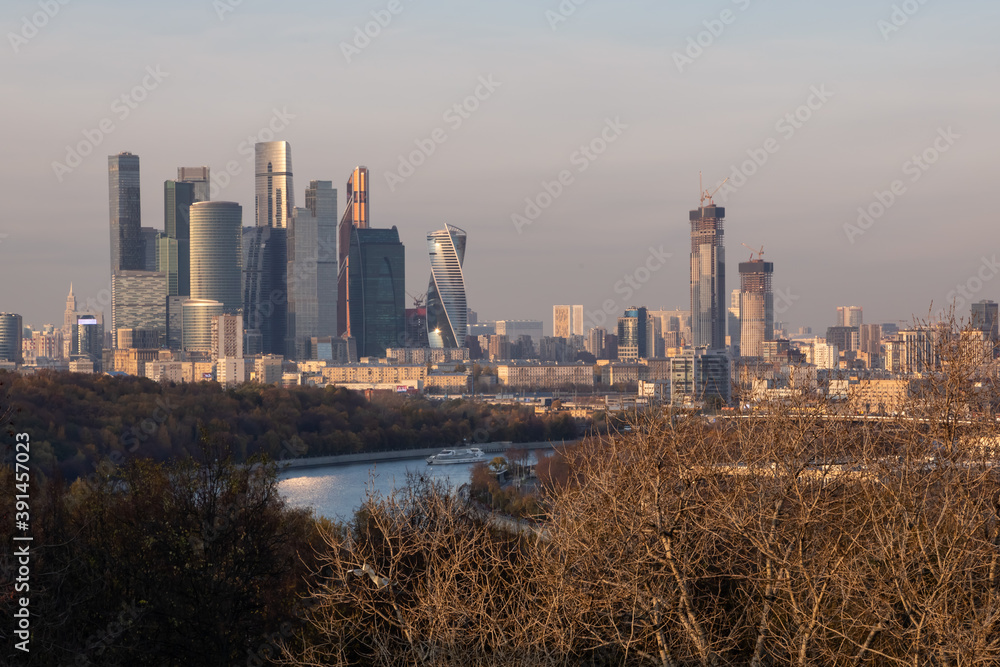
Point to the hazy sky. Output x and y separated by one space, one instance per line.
893 79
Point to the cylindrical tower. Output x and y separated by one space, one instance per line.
216 253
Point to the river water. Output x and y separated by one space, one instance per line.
336 492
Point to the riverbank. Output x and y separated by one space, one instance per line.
497 448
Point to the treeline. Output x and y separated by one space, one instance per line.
76 421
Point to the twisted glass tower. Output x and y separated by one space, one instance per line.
447 309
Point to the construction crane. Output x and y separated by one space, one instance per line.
418 301
760 253
705 194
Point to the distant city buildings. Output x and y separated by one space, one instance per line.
756 309
377 293
567 321
275 192
634 338
850 316
216 253
708 276
11 334
447 307
355 217
200 178
312 270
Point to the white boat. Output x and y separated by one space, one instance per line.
448 456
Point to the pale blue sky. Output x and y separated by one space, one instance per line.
557 88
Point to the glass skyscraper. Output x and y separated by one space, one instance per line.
312 270
708 277
139 301
275 197
447 308
265 289
124 207
216 253
178 196
11 332
376 265
355 217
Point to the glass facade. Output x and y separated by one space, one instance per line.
197 326
216 253
355 217
139 300
376 267
274 189
708 278
11 332
177 200
265 289
312 270
124 207
200 178
447 307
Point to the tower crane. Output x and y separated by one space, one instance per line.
418 301
760 253
705 194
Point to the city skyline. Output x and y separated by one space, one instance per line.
862 131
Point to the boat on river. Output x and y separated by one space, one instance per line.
449 456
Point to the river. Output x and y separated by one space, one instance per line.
336 492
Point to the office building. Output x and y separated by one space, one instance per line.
756 311
312 270
984 318
634 334
595 343
11 337
175 248
227 336
377 266
150 235
850 316
216 253
447 308
265 290
567 321
733 321
143 339
845 338
355 217
139 301
275 197
197 332
127 251
200 178
700 375
708 276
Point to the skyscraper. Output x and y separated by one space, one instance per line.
567 321
355 217
275 192
708 276
124 206
984 318
312 270
150 235
849 316
756 307
216 253
633 334
377 265
265 289
138 301
733 326
175 246
200 178
447 309
11 332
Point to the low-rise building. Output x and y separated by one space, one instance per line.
374 374
533 375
